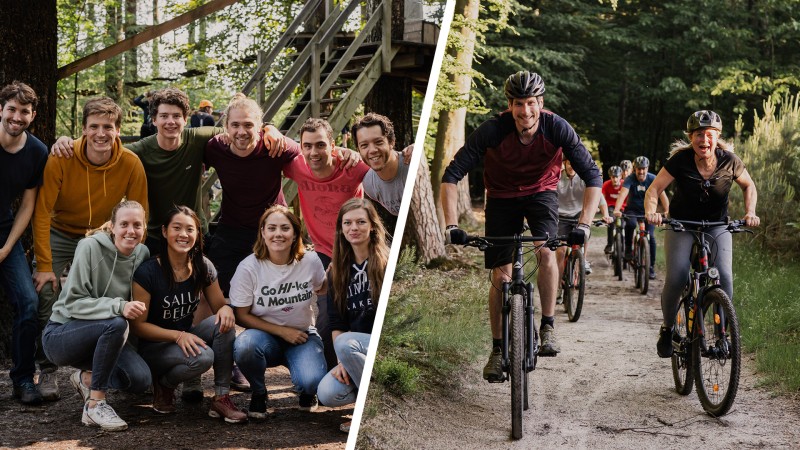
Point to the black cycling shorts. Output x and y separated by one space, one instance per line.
505 217
567 223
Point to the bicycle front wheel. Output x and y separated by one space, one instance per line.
716 353
681 356
577 284
637 267
517 356
618 253
644 266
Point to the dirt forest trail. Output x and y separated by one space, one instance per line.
606 389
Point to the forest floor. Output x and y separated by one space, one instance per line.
57 425
606 389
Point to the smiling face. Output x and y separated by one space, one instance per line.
279 236
101 132
704 142
242 128
317 149
16 117
356 227
181 234
170 121
375 148
128 229
641 173
525 112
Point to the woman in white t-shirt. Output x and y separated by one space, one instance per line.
272 293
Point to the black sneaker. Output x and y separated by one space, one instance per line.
664 345
493 371
27 393
258 406
308 403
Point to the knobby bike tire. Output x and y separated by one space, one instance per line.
716 370
619 252
637 268
644 272
517 356
577 285
682 352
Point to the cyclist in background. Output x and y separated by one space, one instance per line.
704 170
522 149
627 168
636 185
570 204
610 190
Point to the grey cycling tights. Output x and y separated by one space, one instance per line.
678 251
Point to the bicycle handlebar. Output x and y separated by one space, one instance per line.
484 242
734 226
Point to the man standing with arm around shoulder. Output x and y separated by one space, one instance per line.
22 160
78 195
522 149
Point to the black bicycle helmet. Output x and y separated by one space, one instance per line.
615 171
641 161
625 165
524 84
704 119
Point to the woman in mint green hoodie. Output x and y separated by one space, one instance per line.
89 325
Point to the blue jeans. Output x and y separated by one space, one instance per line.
171 367
255 350
99 346
15 277
351 349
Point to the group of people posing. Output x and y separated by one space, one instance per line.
522 150
128 220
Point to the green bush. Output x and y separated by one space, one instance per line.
397 376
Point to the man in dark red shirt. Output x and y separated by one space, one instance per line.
522 150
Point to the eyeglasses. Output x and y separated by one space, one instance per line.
705 185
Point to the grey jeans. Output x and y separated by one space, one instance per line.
678 251
171 367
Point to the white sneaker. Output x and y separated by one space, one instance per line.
83 391
103 416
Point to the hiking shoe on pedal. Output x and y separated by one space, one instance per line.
103 416
258 406
587 268
48 386
609 248
222 406
549 346
493 371
664 345
27 393
77 383
652 274
192 390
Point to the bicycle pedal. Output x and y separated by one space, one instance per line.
496 379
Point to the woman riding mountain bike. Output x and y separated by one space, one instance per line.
704 170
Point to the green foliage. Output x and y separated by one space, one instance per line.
765 298
771 155
396 376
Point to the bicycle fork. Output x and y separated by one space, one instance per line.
530 331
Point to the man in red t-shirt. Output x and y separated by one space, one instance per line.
611 193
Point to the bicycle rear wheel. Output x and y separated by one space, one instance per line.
644 266
577 285
619 250
517 356
681 357
716 353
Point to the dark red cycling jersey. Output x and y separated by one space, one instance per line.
512 169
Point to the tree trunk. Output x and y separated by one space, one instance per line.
422 228
155 50
113 66
29 54
391 96
131 58
451 132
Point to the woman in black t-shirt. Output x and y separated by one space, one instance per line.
355 279
703 170
170 287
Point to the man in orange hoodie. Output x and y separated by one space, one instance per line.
78 195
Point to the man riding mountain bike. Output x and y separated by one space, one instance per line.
522 150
